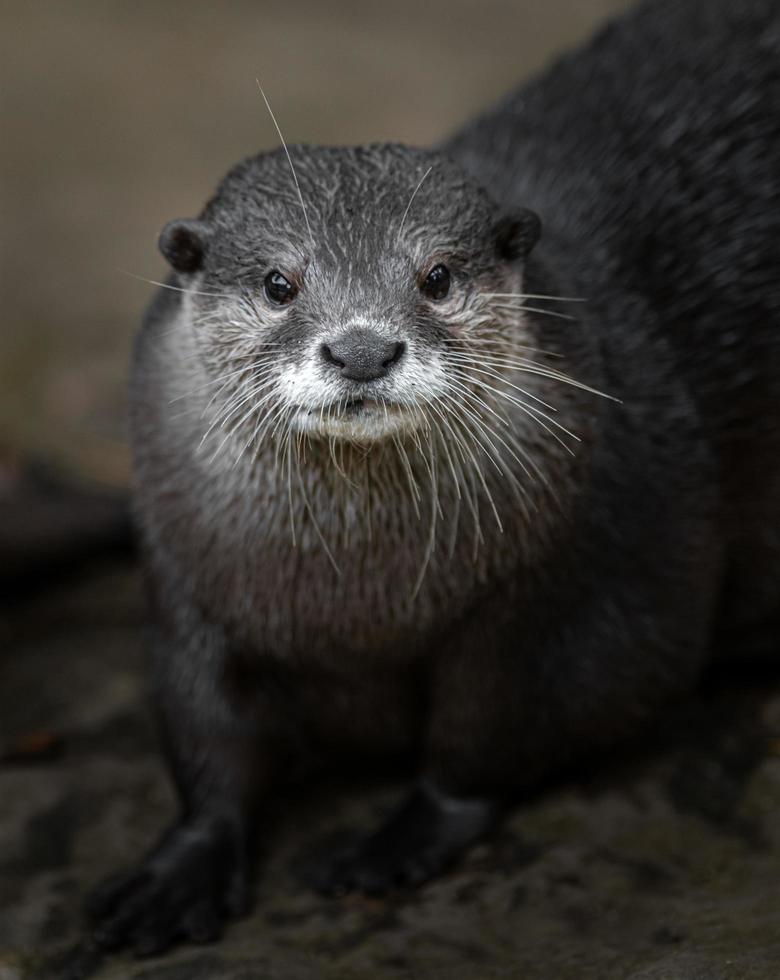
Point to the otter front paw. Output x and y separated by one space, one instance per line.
423 837
195 878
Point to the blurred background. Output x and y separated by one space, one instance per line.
114 117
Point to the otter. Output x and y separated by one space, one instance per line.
469 455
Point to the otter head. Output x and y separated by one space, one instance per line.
338 302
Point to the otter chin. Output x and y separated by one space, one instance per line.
359 420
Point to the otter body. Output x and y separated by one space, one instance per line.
400 494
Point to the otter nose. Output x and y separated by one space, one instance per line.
362 355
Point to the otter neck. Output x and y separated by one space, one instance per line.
349 501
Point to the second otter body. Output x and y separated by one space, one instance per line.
399 492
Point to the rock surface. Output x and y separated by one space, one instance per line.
663 864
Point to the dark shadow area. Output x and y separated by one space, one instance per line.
52 526
659 861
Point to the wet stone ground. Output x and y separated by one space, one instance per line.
661 865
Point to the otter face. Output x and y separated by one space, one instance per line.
340 311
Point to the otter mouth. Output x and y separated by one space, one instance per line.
358 419
357 406
352 408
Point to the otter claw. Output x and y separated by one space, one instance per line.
187 888
418 842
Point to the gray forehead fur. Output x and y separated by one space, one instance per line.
355 199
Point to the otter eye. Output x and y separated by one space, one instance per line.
436 284
278 289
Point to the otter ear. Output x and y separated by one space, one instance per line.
516 234
183 243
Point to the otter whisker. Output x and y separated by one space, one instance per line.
445 446
488 429
256 435
289 160
279 444
278 421
456 469
463 343
413 487
480 435
469 361
236 403
368 484
435 510
473 397
202 410
261 424
458 476
215 381
285 417
529 410
479 537
461 440
263 376
310 511
524 296
411 199
533 309
477 468
232 431
339 465
455 383
432 429
176 289
254 394
533 367
288 453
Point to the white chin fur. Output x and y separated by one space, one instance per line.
365 426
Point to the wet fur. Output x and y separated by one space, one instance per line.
652 157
